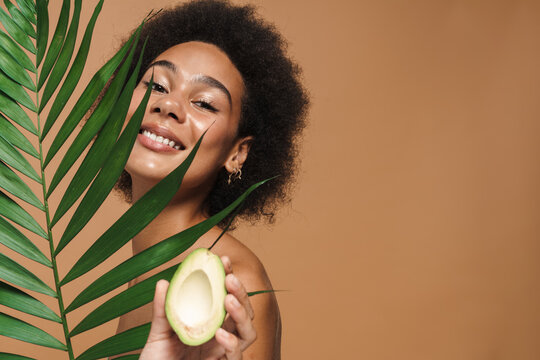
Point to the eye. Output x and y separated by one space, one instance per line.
156 87
205 105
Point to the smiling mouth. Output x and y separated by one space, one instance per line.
160 139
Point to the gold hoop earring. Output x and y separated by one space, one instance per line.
236 174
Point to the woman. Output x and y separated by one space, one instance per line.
218 67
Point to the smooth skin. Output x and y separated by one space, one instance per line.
197 88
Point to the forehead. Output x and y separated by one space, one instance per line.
199 58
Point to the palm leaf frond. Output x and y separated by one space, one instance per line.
27 23
19 300
12 238
16 274
20 330
129 340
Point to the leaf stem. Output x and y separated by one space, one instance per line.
51 243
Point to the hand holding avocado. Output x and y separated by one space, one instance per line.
236 334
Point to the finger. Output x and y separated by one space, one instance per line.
227 264
235 287
230 343
241 320
160 327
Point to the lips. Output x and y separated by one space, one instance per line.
160 139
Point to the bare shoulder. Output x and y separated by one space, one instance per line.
252 274
246 265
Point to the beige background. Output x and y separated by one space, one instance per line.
414 230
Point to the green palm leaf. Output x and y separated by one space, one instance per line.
18 54
130 299
14 212
20 330
19 300
28 10
17 275
129 340
65 54
56 43
13 111
6 356
13 184
16 32
10 66
16 138
42 29
16 92
97 174
20 19
11 237
10 156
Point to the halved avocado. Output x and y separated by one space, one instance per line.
195 303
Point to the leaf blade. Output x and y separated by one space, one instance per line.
6 356
12 157
12 48
130 299
64 58
20 19
19 300
12 211
12 238
27 10
20 330
16 92
15 71
13 111
42 29
10 182
132 339
56 43
16 32
16 138
16 274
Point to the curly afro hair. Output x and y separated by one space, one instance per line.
274 105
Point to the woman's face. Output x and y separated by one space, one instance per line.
196 87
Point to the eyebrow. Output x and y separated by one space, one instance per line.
199 78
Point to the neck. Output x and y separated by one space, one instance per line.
182 212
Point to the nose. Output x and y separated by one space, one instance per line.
169 108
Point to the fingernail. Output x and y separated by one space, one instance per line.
223 333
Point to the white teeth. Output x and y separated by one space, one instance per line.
161 139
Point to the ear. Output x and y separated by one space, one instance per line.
238 154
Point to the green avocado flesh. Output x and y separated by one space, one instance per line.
195 303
